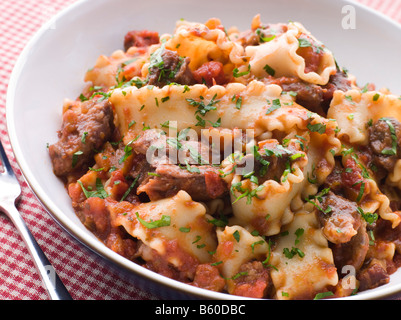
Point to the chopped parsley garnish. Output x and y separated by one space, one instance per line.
319 198
222 222
262 38
189 168
323 295
269 70
82 97
236 235
365 88
104 95
238 104
370 218
317 127
256 243
267 260
163 222
83 138
75 158
129 189
245 192
98 193
239 274
312 179
376 97
131 124
127 153
174 143
156 59
201 122
238 74
361 190
293 252
165 99
215 124
202 107
393 150
304 43
299 232
275 105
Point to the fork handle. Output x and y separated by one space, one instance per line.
50 279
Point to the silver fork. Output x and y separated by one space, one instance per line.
10 191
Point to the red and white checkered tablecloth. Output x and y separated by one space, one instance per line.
85 275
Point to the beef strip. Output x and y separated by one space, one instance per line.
94 215
170 179
142 38
253 280
352 253
349 179
334 179
168 67
384 231
261 35
337 81
84 130
161 178
382 143
269 163
345 229
340 219
311 96
373 275
208 277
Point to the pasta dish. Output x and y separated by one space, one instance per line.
240 161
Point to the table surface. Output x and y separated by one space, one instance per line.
86 275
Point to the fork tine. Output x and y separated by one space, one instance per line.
4 160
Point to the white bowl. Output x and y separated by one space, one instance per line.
53 64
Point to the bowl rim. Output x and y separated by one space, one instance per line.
95 245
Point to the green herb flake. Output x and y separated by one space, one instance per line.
293 252
256 243
236 235
376 97
238 74
202 107
83 138
238 104
165 99
299 232
304 43
163 222
269 70
317 127
393 150
323 295
98 193
370 218
82 97
129 189
75 158
131 124
276 105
